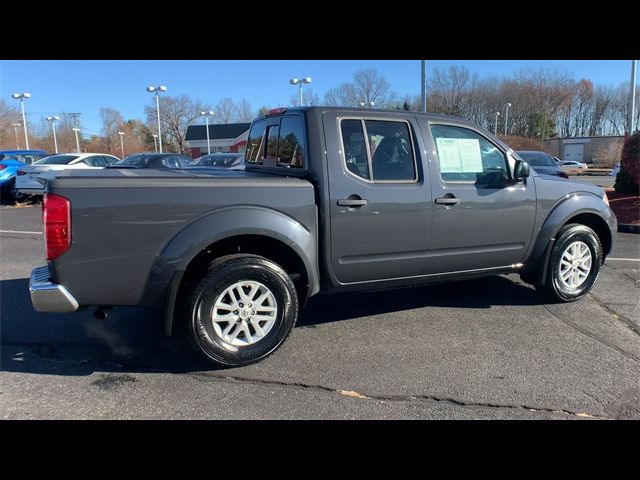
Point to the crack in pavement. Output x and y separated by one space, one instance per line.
593 336
623 318
205 377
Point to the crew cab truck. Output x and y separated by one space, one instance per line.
332 199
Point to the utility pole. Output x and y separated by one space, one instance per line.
632 97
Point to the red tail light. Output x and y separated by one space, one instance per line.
57 224
2 167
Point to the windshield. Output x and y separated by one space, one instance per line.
134 160
537 159
56 160
218 161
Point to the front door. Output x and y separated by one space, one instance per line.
380 201
481 219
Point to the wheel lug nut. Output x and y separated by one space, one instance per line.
241 305
235 312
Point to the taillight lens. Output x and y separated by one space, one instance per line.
57 224
2 167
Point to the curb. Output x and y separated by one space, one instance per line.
628 228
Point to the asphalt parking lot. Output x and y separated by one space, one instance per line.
483 349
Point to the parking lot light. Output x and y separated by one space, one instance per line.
121 142
299 82
368 104
506 118
206 119
21 97
53 121
157 90
495 130
15 127
76 130
155 142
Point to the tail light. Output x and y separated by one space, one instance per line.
2 167
56 218
21 172
563 175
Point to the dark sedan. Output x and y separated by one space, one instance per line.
153 160
541 162
233 161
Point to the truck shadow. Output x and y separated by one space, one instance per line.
131 339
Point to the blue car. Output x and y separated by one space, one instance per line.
10 162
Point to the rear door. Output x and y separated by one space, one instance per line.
380 202
481 219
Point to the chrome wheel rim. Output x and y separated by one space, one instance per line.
575 265
244 313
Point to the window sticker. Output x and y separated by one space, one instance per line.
457 155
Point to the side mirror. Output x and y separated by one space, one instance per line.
521 170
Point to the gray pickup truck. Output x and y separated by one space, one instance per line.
332 199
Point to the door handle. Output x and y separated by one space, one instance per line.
447 201
353 202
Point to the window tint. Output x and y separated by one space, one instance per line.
291 149
391 151
272 141
464 155
355 151
537 159
175 161
57 160
95 161
255 142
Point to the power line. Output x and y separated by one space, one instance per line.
76 118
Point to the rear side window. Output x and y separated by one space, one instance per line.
378 150
466 156
272 141
255 144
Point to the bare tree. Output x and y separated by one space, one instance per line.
9 115
225 110
112 122
243 112
367 86
176 113
309 97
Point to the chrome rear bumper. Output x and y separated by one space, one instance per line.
47 296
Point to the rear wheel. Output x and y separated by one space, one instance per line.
574 264
241 311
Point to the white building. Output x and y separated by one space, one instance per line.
223 137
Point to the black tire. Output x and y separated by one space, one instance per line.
13 192
221 274
553 289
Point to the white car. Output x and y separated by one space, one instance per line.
30 179
573 165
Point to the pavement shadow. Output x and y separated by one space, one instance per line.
131 339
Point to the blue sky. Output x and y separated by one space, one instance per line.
85 86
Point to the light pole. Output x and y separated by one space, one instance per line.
155 142
368 104
76 130
15 127
506 117
299 82
495 129
632 99
423 86
157 90
53 121
206 119
21 97
121 142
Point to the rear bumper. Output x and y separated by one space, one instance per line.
47 296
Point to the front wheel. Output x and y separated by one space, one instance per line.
241 311
574 264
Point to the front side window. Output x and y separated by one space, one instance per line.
464 155
386 154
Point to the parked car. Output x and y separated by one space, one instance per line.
153 160
541 162
223 160
573 165
557 160
615 170
30 180
10 162
332 199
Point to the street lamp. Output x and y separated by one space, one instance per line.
76 130
53 121
157 90
155 142
506 117
15 127
121 142
495 130
206 119
21 97
299 82
368 104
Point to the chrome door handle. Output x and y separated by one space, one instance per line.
447 201
348 202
